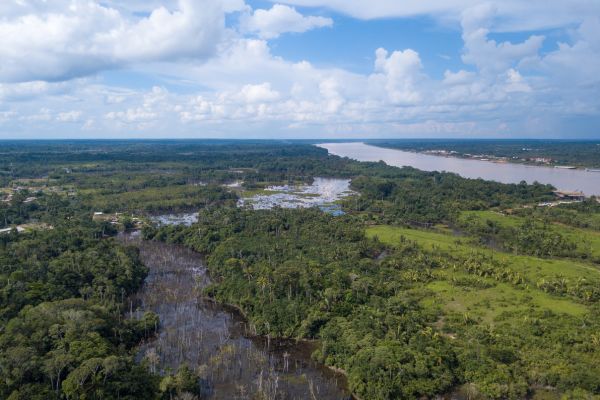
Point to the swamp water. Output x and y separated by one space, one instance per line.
322 193
215 341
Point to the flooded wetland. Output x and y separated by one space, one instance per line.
322 193
216 341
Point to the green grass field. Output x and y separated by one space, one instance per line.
532 267
487 304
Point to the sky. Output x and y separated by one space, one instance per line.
299 69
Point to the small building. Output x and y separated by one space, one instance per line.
542 160
572 196
98 216
19 229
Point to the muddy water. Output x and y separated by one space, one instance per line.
563 179
215 341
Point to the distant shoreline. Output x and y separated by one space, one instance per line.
488 158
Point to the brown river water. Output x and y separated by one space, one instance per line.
563 179
215 340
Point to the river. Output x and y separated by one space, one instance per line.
563 179
215 340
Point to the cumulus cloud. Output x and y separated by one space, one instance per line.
269 24
147 109
398 74
515 82
55 41
228 81
132 115
486 54
458 78
258 93
578 62
330 90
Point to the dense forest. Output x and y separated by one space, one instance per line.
305 274
427 284
60 307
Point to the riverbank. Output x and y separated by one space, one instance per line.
579 154
491 158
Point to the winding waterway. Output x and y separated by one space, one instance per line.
215 341
563 179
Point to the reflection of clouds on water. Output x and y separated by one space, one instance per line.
323 193
176 219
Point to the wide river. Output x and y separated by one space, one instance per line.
563 179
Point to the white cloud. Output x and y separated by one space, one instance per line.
578 62
132 115
514 15
458 78
515 82
330 90
299 98
399 74
258 93
487 55
58 41
269 24
235 85
383 8
28 90
145 110
70 116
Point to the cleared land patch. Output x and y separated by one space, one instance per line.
487 303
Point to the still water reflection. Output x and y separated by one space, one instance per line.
322 193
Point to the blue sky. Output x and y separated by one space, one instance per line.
299 68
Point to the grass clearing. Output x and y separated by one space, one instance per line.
532 267
487 304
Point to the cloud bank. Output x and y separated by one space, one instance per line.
71 68
62 40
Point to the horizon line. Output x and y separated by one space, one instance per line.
295 139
